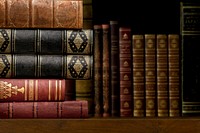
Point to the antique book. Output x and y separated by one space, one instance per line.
44 110
150 75
45 66
138 75
190 39
42 41
125 61
162 75
114 68
98 71
174 71
41 14
15 90
87 14
84 91
106 69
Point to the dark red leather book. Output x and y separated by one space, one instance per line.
65 109
41 14
32 90
125 61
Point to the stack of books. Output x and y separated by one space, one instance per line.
43 50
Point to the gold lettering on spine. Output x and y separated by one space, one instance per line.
26 90
10 106
36 90
31 90
49 90
60 88
56 93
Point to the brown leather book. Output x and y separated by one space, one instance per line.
138 75
98 71
114 68
32 90
84 90
44 110
125 61
174 75
41 14
150 75
106 69
162 75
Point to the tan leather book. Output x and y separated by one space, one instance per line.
41 14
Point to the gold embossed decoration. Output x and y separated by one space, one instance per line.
7 90
79 41
5 66
4 40
78 67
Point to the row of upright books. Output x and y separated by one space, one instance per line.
45 47
140 73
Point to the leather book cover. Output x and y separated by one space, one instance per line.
16 90
106 69
42 41
46 66
84 90
138 75
150 75
98 70
174 71
44 110
162 75
41 14
125 62
79 66
79 41
114 68
190 61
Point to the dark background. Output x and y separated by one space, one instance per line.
153 16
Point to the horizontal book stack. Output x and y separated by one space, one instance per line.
44 49
136 75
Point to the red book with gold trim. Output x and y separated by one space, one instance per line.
32 90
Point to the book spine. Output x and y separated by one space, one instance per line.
106 69
150 74
42 41
125 61
85 91
114 69
190 61
162 75
42 14
138 75
87 14
98 70
44 110
46 66
174 75
32 90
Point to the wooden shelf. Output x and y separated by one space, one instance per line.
101 125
